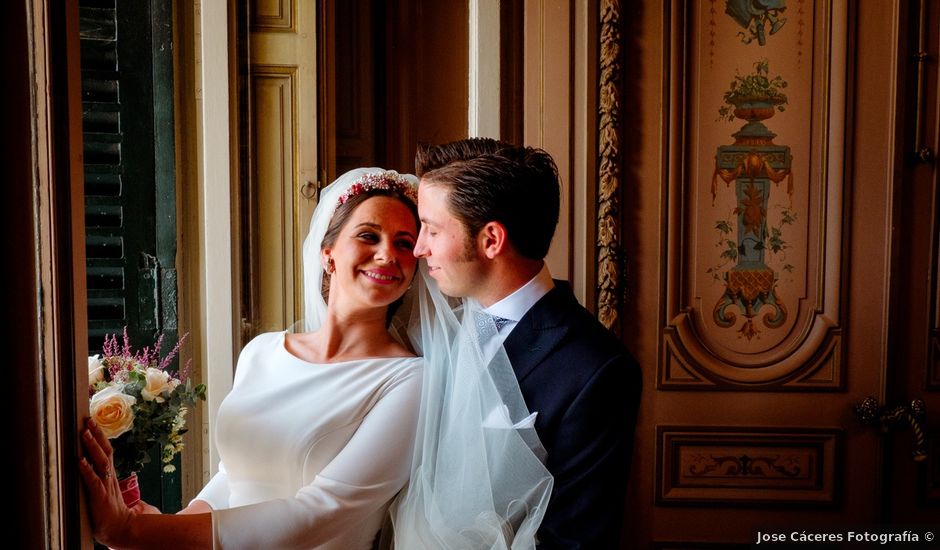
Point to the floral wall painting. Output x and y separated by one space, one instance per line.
759 18
752 193
757 207
751 163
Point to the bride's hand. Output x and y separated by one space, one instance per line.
143 508
111 519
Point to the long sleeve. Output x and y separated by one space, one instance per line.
216 492
370 469
591 460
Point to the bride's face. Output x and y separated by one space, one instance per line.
372 255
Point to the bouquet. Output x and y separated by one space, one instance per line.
137 402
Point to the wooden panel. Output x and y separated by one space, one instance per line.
426 78
933 363
272 15
929 481
273 180
355 96
755 267
279 164
746 466
547 102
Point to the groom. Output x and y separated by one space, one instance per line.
488 211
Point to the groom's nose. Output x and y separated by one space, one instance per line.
421 249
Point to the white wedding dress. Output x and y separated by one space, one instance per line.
311 453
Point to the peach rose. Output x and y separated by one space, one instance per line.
113 411
158 381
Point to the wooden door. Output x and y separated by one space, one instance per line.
912 487
766 263
279 159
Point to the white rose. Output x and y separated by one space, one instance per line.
95 370
158 381
113 411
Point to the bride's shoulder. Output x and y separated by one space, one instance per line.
405 370
400 353
264 342
408 366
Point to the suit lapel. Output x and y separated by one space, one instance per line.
539 332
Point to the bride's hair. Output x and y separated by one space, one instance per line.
345 210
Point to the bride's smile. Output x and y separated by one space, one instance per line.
382 276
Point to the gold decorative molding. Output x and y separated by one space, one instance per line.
746 466
608 202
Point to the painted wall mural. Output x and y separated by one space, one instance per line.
751 163
758 17
757 203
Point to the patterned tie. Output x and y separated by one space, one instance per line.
489 325
500 322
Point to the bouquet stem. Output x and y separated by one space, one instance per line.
130 490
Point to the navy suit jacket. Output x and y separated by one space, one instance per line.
586 387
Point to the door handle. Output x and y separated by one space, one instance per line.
871 413
309 190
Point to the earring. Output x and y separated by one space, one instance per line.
330 266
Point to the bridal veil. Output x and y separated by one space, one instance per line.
477 478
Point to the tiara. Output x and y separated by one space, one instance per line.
388 180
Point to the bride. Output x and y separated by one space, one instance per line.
318 434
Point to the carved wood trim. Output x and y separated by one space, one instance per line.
608 201
272 15
741 466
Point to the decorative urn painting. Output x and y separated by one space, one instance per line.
750 165
754 203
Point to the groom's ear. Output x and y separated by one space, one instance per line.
493 239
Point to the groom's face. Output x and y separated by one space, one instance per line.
446 245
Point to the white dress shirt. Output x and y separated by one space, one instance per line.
515 306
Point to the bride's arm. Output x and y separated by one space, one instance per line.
117 526
196 507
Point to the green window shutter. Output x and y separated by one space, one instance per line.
130 187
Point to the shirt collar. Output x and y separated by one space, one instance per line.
516 305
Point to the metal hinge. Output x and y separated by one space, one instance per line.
156 295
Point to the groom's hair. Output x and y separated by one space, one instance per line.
491 180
